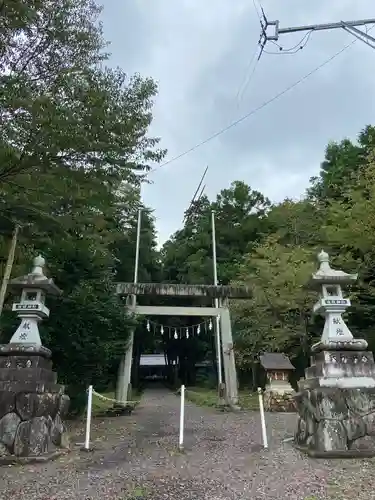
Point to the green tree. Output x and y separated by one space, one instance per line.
273 250
239 220
277 317
350 227
74 149
341 167
125 249
296 223
63 114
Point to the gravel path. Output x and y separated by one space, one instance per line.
137 457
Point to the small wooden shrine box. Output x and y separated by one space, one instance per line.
279 394
277 367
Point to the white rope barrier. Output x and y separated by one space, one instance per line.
262 419
182 418
90 393
111 400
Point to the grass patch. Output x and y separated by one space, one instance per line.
249 400
202 397
209 398
137 493
101 407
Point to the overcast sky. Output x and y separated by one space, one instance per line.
199 52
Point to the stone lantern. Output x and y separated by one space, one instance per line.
32 404
336 400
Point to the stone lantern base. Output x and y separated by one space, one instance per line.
336 405
32 404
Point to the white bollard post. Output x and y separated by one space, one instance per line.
88 419
182 418
262 419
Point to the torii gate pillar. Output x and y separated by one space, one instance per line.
229 362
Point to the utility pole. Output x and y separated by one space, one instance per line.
217 329
218 332
124 388
349 26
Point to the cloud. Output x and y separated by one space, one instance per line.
200 53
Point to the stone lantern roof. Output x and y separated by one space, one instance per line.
328 276
35 279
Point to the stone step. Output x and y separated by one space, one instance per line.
28 375
24 349
22 361
30 386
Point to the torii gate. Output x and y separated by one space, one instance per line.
222 293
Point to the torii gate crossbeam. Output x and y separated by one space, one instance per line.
175 311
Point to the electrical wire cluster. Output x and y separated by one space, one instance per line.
292 50
264 23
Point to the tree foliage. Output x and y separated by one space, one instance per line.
337 215
74 149
272 249
341 167
277 316
350 228
239 212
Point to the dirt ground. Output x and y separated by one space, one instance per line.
136 457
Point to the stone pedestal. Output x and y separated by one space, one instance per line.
336 402
279 396
32 404
279 401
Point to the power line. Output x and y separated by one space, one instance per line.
248 75
257 10
255 110
251 67
199 185
200 195
188 212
